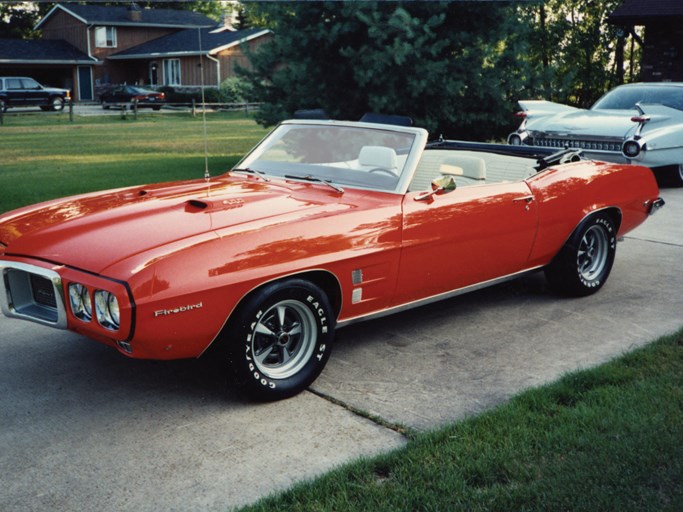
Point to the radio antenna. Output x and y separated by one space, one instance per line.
207 175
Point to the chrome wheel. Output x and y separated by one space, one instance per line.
592 254
283 339
57 104
585 262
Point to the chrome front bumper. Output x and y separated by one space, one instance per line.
32 293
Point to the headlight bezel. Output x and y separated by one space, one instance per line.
107 310
94 305
80 301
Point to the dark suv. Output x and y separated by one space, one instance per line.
19 91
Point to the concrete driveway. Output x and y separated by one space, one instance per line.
83 428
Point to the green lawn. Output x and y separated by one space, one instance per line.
46 156
606 439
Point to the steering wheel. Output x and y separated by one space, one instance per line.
384 171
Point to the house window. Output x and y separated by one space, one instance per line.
105 37
171 71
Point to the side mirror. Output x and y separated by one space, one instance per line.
441 185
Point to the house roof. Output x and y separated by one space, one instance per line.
187 42
41 51
637 12
119 16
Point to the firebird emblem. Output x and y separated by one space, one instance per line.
181 309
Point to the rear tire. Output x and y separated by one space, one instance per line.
280 339
585 262
670 175
676 176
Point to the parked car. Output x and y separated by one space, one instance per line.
323 224
640 123
21 91
127 94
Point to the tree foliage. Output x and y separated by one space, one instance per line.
571 49
457 68
450 66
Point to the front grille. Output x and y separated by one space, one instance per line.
32 293
43 291
589 145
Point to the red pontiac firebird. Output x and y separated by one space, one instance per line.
323 224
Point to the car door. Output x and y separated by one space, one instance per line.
461 238
15 93
122 94
33 92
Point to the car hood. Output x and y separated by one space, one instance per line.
55 89
95 231
585 123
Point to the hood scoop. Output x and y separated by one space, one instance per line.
200 205
195 206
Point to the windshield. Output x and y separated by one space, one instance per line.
625 98
346 155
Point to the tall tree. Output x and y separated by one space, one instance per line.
576 46
18 19
451 66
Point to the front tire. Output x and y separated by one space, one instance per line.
56 104
280 339
585 262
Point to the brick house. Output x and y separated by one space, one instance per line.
87 46
662 43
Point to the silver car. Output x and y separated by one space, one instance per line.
639 123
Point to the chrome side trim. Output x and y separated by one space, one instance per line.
436 298
16 298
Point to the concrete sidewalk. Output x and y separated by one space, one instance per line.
84 428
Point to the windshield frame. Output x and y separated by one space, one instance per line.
420 137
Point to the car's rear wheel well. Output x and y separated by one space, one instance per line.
614 215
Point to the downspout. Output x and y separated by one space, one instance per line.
87 38
218 69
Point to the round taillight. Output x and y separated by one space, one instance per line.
515 139
631 148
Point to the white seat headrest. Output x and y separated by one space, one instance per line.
378 156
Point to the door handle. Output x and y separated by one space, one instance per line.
526 199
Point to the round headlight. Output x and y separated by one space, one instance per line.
107 310
113 306
79 298
631 148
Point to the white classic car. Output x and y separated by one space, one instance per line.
635 123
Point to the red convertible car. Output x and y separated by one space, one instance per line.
323 224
